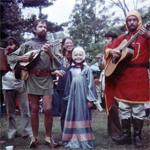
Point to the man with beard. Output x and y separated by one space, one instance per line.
40 82
12 89
132 87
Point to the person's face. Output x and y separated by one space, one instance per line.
11 47
68 45
108 40
78 56
40 30
132 23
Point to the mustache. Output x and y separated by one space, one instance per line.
132 26
43 31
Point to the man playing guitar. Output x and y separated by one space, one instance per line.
132 87
40 82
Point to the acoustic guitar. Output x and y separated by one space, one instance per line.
115 67
32 62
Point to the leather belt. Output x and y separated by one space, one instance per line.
40 72
142 65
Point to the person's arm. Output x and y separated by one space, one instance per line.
15 57
60 72
111 51
55 56
91 93
47 49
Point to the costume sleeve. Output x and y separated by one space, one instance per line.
56 59
13 58
113 45
91 93
67 86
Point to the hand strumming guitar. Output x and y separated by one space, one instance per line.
115 54
26 57
47 49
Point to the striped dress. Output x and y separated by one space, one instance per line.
80 89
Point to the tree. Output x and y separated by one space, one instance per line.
124 5
52 27
90 20
86 28
11 21
37 3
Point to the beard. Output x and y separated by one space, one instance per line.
42 35
132 28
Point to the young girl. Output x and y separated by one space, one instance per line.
80 92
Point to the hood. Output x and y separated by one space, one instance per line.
137 14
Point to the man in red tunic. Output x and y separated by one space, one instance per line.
131 88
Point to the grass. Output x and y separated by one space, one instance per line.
99 124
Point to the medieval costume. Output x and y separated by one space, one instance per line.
38 84
131 89
80 89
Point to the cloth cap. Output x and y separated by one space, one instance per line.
136 14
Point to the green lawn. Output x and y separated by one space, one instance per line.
99 123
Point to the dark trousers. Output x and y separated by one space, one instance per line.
63 108
114 127
55 104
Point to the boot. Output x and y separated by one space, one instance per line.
137 124
125 138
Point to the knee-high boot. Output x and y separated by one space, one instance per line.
137 124
125 138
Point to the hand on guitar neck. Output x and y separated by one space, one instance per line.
47 49
144 32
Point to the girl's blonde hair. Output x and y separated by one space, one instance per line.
78 49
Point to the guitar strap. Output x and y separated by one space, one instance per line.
125 36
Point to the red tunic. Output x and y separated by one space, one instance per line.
133 85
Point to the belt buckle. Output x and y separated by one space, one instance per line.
38 73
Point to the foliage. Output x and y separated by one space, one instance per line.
124 5
87 27
90 21
51 27
37 3
11 21
145 14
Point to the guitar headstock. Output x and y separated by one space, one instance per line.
147 24
54 43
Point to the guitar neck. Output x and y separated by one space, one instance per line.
130 41
53 43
